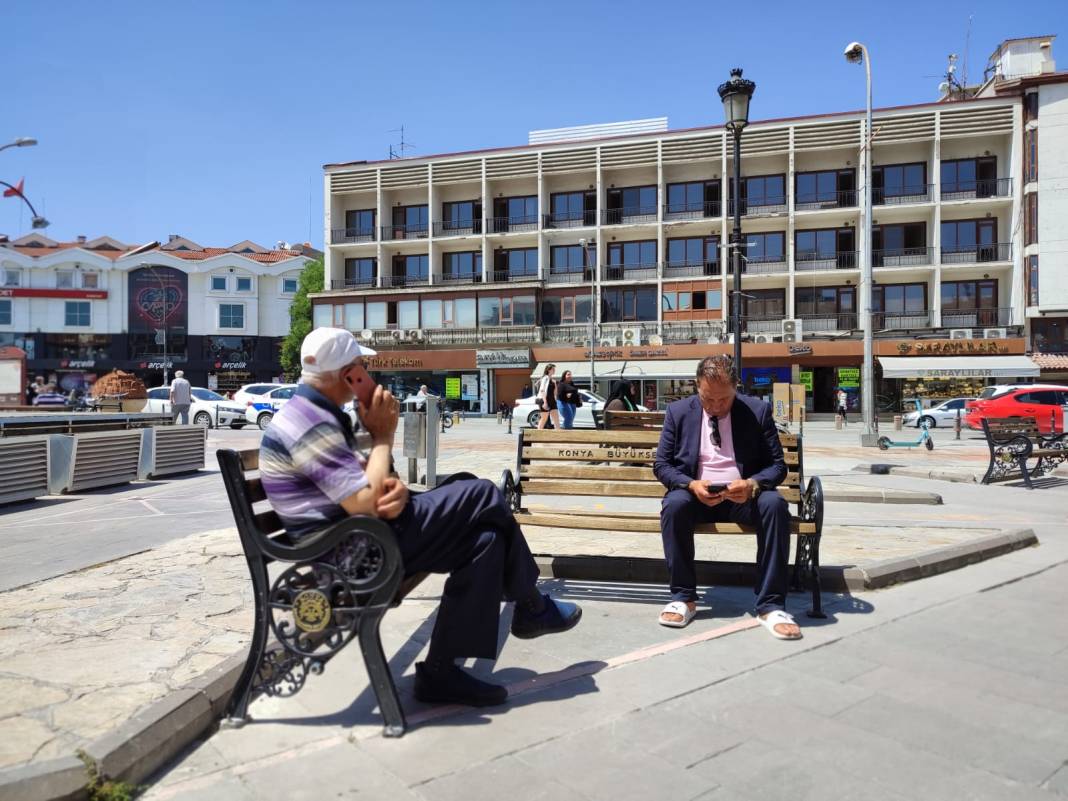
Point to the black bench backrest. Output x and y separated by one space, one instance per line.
1005 428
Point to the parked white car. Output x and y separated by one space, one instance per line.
945 414
209 409
251 392
527 415
261 410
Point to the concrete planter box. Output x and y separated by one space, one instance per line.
85 461
166 450
24 467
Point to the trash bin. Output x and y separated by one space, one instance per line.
897 422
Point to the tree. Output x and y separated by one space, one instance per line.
300 317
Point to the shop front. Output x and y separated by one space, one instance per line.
506 371
932 379
449 374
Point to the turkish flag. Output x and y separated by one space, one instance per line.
15 191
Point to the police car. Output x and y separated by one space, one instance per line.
261 409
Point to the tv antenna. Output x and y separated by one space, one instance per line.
397 151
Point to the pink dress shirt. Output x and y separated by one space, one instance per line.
717 465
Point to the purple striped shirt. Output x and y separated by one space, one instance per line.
309 463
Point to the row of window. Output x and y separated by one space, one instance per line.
78 314
81 279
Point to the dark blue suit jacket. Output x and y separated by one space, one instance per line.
756 442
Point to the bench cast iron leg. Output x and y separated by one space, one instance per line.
381 679
817 599
237 710
1026 475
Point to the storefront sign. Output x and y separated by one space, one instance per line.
452 387
952 347
157 365
80 294
806 380
799 350
78 364
159 299
644 353
393 363
469 387
231 365
502 358
848 377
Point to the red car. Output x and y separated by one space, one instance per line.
1044 402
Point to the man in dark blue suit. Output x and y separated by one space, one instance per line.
727 441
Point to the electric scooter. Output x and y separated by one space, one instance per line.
885 443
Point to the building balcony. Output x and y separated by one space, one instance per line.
629 272
518 334
825 200
764 265
634 214
902 195
618 331
761 208
582 219
810 262
903 257
402 281
349 236
461 278
708 269
451 336
504 276
814 323
458 228
680 332
675 212
976 318
353 283
762 324
977 254
512 225
569 276
976 190
570 333
900 321
395 232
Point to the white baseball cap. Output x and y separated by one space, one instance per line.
327 349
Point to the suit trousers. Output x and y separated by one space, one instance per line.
681 511
465 529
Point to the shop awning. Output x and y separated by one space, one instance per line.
946 367
624 368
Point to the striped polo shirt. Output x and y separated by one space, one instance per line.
308 462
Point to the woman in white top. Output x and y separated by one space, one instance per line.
546 398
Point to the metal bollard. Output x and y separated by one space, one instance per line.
500 418
956 425
509 424
838 422
897 422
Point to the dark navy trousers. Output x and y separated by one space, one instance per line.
465 529
681 511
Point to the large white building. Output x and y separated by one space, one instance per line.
468 264
81 308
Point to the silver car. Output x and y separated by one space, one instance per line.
945 414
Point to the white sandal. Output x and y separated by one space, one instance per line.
677 608
774 618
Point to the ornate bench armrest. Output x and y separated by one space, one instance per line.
812 501
1053 440
511 491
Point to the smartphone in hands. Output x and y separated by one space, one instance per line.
716 489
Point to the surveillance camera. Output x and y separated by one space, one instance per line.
854 53
582 243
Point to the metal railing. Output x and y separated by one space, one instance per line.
510 333
615 330
581 219
692 211
914 193
903 257
352 283
762 324
682 269
762 265
976 254
814 201
900 321
844 321
842 260
458 278
458 227
629 272
977 189
500 276
398 281
769 205
631 214
451 336
349 235
690 331
569 276
392 232
568 332
505 225
976 318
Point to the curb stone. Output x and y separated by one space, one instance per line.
146 742
955 476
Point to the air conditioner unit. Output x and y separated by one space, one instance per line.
416 334
632 336
367 335
656 340
960 333
397 335
763 339
729 339
606 342
995 333
791 330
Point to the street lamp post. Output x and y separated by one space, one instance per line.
736 94
38 221
583 243
22 141
857 53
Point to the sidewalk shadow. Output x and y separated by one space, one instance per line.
1041 483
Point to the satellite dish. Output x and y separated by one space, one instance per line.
367 334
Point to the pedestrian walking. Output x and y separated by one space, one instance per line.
843 405
181 398
546 398
568 400
622 398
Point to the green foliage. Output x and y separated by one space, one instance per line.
104 789
300 318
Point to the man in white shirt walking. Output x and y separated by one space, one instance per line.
181 397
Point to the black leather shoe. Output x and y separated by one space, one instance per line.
556 617
453 685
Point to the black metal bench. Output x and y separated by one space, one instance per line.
1015 440
338 584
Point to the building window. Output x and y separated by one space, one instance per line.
231 315
627 305
289 285
511 211
409 221
760 192
565 309
694 252
1031 218
967 303
972 177
218 283
244 284
899 245
407 314
1031 154
64 279
95 347
891 302
1050 335
322 315
570 258
970 237
1032 280
764 304
624 256
827 301
505 311
90 280
462 216
573 208
462 266
11 277
515 263
5 312
835 245
690 299
1030 106
360 222
899 183
632 201
694 199
77 313
360 272
410 269
827 188
764 248
353 320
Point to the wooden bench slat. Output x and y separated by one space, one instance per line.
619 489
254 488
250 459
268 522
609 473
600 521
648 439
587 453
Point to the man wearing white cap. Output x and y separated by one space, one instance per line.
313 476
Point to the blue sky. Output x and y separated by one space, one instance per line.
213 119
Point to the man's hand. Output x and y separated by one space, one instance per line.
700 491
380 416
393 500
739 491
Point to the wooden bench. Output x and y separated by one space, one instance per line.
337 584
1013 441
618 464
633 421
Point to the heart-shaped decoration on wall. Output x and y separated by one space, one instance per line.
153 302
